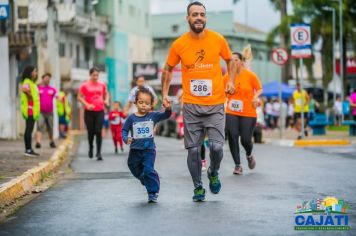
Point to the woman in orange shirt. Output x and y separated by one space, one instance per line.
241 110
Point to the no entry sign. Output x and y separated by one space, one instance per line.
279 56
300 40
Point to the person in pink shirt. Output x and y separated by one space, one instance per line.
45 122
93 95
353 104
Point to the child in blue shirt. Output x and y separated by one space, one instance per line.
142 153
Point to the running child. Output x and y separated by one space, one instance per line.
142 153
116 117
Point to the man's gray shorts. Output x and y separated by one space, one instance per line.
200 120
45 123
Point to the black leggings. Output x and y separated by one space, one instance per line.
94 123
30 123
240 126
203 152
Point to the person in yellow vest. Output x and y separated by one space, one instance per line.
30 106
300 97
64 113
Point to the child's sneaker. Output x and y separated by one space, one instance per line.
152 197
203 165
214 182
199 194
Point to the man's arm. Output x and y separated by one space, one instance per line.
166 81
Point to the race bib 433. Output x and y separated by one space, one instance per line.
236 105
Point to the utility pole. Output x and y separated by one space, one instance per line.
52 46
333 55
341 55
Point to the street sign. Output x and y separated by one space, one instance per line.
279 56
148 70
300 40
4 9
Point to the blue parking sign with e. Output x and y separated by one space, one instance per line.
4 12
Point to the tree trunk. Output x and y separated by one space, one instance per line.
344 83
286 69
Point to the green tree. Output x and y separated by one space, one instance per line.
321 30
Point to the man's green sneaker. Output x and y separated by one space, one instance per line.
214 182
199 194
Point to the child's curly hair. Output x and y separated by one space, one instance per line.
145 91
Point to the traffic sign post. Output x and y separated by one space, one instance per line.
301 48
279 56
4 9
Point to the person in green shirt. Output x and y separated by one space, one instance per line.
30 106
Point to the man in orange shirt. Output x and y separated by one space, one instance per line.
199 52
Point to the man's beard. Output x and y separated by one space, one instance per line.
195 30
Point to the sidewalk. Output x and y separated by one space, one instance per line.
13 162
19 174
289 138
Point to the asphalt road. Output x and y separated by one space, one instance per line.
102 198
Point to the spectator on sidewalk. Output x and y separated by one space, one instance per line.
45 122
290 114
300 97
353 104
346 108
313 106
64 113
276 108
30 106
338 111
140 83
269 113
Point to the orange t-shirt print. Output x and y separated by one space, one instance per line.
202 78
240 103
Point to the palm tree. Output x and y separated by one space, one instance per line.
282 30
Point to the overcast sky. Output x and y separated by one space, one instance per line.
260 13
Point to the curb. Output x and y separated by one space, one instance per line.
22 184
321 142
308 143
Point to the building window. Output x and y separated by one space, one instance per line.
147 20
22 12
120 6
175 28
132 10
71 50
77 56
87 54
62 50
